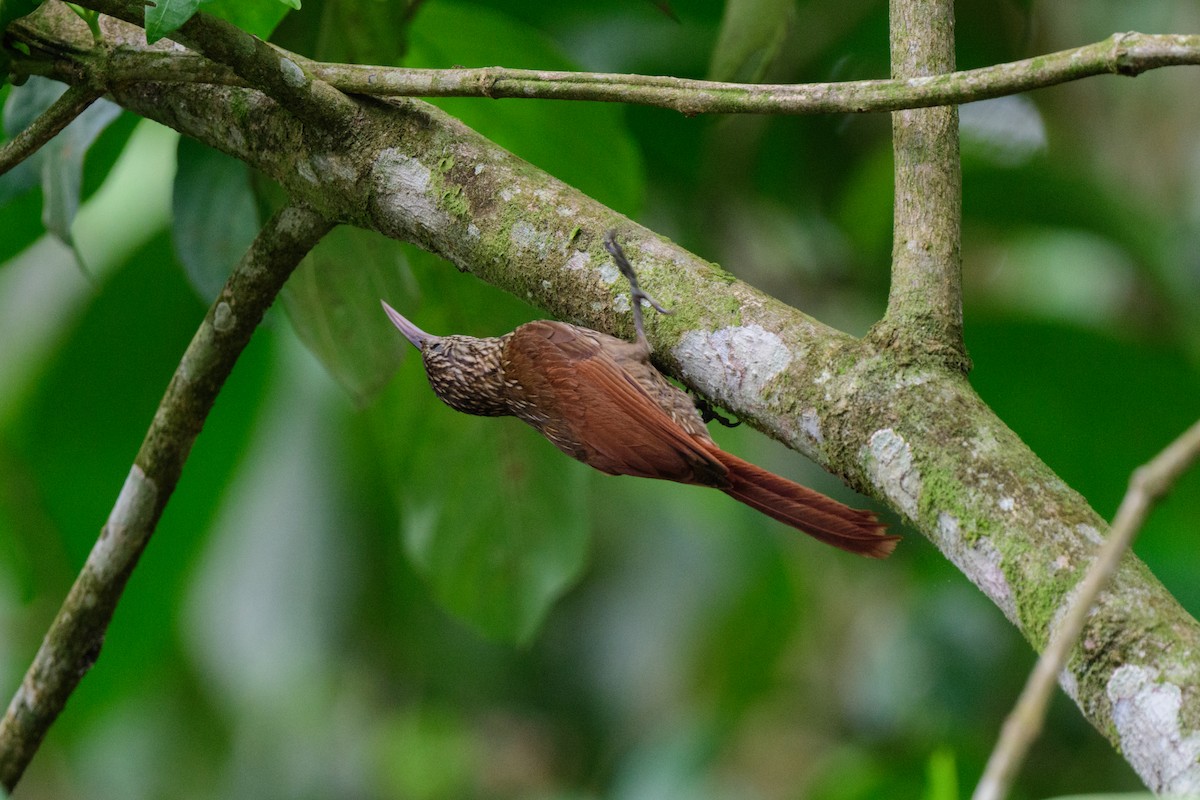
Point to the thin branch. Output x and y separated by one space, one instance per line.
73 642
924 314
1124 54
49 124
1147 485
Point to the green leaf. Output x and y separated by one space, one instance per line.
752 31
26 103
62 166
333 302
258 17
58 166
215 216
493 516
163 17
585 144
350 31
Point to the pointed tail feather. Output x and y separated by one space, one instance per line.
811 512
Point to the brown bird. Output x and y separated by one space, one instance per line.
599 400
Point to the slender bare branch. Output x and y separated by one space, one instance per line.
73 642
1123 54
48 125
1147 485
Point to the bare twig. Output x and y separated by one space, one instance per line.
73 641
1147 485
1123 53
66 108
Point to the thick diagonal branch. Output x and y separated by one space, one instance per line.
1147 486
74 639
910 432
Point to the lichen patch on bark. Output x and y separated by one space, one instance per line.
739 361
1145 712
890 467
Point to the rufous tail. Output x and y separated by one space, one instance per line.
821 517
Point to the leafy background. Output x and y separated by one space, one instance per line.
356 592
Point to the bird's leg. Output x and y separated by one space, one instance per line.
637 295
708 412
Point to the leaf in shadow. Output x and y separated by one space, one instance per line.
333 298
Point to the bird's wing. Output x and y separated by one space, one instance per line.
596 410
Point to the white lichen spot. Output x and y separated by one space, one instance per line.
473 230
306 171
1146 714
1060 563
403 193
131 516
546 285
223 318
565 211
523 235
609 273
734 362
890 467
823 378
333 166
596 307
479 168
810 423
979 560
621 303
578 260
292 74
1090 533
1006 503
507 194
913 379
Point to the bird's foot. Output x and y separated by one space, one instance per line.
636 293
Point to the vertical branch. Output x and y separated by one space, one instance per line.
73 642
924 313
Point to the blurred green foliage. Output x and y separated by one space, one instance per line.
330 605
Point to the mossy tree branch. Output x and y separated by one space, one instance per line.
1147 486
909 431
